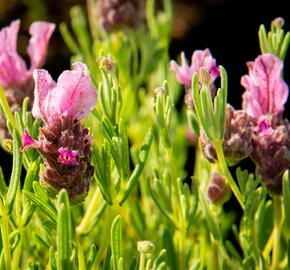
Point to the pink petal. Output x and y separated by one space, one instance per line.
67 156
76 95
13 70
8 37
44 92
266 91
200 59
27 141
40 34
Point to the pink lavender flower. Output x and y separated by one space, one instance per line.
63 142
184 72
14 74
266 91
13 70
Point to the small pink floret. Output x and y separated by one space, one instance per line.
27 141
264 128
68 157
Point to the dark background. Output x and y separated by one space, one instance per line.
229 28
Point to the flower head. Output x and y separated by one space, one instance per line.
266 91
201 59
14 74
63 143
72 96
114 14
13 70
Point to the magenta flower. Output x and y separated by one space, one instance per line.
266 91
13 70
63 143
199 59
67 156
73 96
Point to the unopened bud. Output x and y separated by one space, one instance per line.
278 22
106 64
159 91
218 190
145 246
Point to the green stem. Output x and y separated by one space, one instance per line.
277 231
142 261
6 108
180 213
5 237
226 172
215 256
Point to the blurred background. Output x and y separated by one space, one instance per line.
229 28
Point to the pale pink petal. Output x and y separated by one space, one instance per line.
44 93
13 70
8 37
76 95
183 73
37 49
266 91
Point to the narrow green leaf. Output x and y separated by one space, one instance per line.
133 264
108 259
16 171
3 187
48 210
6 109
143 154
64 232
116 241
125 149
81 257
68 39
80 28
160 258
224 96
52 260
286 198
284 47
32 175
43 244
263 39
92 256
232 251
213 227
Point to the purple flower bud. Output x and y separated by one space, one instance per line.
266 91
237 143
115 14
200 59
218 190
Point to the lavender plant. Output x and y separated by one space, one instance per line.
98 178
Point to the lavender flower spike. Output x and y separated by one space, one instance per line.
63 143
266 91
200 59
